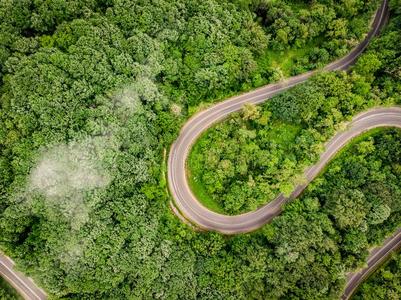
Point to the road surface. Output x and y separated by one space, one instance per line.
376 258
184 199
23 285
191 209
188 206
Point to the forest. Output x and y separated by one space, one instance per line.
7 292
384 284
92 94
262 151
256 154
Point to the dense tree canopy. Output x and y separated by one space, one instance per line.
93 93
262 151
249 159
384 284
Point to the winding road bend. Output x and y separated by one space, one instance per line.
209 220
188 207
199 215
184 199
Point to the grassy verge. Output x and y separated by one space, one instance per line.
194 173
7 292
285 61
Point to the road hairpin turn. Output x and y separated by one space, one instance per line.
192 210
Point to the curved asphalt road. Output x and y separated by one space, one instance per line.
184 199
188 206
209 220
187 203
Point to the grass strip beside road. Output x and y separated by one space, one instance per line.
7 292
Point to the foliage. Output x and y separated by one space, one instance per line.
384 284
7 292
319 229
105 85
249 159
